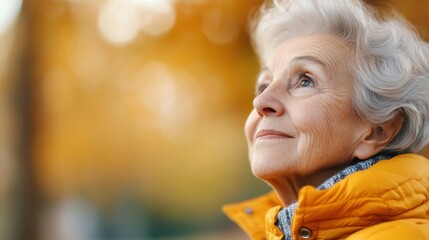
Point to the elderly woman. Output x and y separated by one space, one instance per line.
342 104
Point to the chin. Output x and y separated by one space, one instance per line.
258 169
263 171
263 177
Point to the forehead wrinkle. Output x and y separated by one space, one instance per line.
334 53
324 53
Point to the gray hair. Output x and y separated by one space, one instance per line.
391 68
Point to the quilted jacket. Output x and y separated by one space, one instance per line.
390 200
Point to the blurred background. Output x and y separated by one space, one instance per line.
122 119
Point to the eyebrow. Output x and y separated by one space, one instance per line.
295 60
308 59
263 70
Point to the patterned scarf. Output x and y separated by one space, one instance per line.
285 216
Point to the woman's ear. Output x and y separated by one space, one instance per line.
378 137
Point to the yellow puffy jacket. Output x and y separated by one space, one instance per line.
390 200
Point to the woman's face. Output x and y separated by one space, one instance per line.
303 120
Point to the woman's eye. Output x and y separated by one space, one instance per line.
261 88
305 81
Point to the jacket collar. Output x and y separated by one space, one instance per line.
250 214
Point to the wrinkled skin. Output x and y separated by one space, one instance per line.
303 127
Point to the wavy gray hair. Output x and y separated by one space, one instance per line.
391 66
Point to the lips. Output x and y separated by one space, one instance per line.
271 134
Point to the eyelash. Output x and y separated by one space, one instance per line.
304 76
299 80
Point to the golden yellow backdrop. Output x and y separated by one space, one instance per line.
122 119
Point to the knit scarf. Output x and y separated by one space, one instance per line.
285 216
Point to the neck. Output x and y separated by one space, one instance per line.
287 188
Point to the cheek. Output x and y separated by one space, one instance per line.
250 127
316 123
314 119
318 117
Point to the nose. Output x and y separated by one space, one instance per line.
268 103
